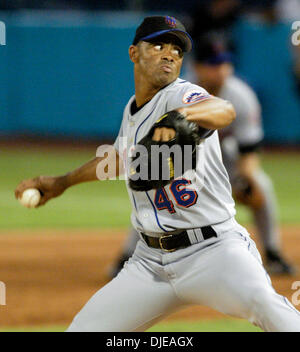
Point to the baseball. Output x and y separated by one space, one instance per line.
30 198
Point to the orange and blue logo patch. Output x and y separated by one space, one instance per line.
170 21
193 96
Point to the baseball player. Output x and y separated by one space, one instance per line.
191 249
240 142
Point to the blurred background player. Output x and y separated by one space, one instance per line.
212 69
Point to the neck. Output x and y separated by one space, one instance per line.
144 90
142 96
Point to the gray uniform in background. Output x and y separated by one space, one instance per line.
242 136
246 129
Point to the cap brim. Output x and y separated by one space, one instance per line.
184 37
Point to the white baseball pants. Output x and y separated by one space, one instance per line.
224 273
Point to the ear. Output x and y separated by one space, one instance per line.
133 53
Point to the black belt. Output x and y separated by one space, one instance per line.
170 243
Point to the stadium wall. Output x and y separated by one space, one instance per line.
68 75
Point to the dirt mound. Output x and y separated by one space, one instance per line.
49 275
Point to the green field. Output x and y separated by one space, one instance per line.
227 325
105 204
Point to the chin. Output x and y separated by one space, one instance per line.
164 80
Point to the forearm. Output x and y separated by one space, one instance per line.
213 114
84 173
102 167
99 168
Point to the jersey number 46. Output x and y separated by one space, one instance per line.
183 196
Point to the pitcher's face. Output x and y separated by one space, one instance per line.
159 62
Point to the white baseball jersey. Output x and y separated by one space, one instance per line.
200 200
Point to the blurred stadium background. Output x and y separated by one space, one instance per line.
65 78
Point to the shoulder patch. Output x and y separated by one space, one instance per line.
193 96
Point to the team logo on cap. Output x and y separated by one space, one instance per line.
193 96
170 21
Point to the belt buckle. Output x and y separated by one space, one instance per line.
161 244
